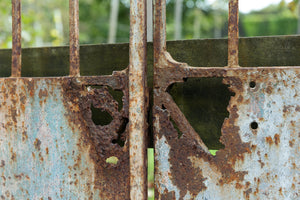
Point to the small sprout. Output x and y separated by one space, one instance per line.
112 160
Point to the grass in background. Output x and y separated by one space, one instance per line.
150 174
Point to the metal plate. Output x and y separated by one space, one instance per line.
257 162
260 159
50 147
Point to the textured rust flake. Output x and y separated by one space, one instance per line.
112 179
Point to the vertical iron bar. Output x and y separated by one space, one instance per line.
137 100
16 39
74 37
149 21
233 34
159 37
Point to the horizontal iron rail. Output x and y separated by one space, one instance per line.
255 51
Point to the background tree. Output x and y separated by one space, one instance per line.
113 21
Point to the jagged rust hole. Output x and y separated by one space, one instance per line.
117 95
121 137
100 117
204 102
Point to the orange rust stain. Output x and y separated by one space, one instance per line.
258 153
238 186
37 144
253 147
13 155
277 139
43 93
293 123
292 142
269 90
24 136
269 140
262 164
23 107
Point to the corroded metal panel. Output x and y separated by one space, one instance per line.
50 147
260 158
261 137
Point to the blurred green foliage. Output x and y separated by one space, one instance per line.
278 19
45 23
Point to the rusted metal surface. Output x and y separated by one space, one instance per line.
137 100
261 134
16 39
74 37
52 149
51 146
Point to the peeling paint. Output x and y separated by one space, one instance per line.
261 134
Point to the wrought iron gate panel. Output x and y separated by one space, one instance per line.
50 146
260 159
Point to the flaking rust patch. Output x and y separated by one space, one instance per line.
243 141
185 152
111 179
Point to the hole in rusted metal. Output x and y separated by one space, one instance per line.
252 84
163 107
204 102
117 95
254 125
100 117
121 139
112 160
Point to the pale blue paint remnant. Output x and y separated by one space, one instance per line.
162 155
272 166
44 155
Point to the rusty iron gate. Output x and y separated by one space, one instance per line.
51 148
260 159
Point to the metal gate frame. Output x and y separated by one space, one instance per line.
261 135
61 154
51 148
